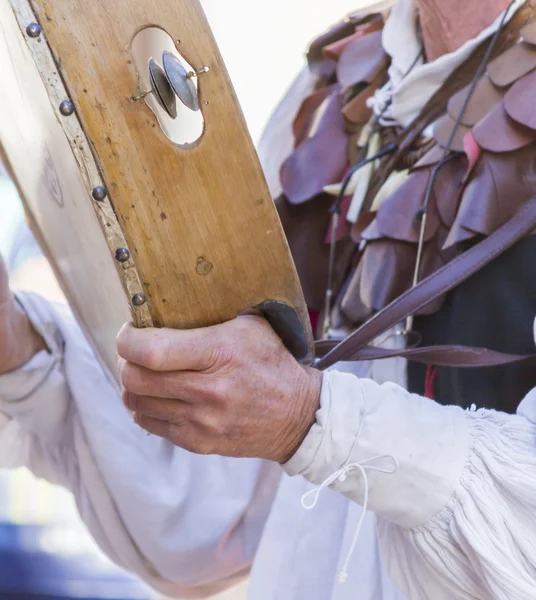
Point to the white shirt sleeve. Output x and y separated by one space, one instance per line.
188 525
455 490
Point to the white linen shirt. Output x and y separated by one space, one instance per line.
456 520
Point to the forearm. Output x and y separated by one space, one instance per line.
36 395
21 328
188 525
455 513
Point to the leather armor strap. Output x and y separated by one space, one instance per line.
357 346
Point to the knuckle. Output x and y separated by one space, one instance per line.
218 352
157 353
221 390
219 345
213 424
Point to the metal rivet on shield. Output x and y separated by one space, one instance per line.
139 299
66 108
34 30
99 193
122 255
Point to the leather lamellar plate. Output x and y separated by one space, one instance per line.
348 64
491 171
336 109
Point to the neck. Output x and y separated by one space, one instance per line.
448 24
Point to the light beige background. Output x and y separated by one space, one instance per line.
263 43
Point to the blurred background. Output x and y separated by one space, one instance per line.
45 551
263 44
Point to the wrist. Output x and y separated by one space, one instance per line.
24 340
303 415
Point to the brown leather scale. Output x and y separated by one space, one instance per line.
478 209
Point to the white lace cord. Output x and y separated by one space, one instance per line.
380 102
362 466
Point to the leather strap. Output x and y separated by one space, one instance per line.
440 356
357 346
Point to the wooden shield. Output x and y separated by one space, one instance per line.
138 226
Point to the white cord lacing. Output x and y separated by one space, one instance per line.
380 102
340 476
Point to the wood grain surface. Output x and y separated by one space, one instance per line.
203 230
54 183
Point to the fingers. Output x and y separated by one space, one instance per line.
184 436
164 409
191 350
187 386
163 429
169 349
209 422
232 390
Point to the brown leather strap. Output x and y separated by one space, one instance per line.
441 356
356 346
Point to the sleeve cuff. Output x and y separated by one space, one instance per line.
23 383
307 454
40 314
37 394
360 422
